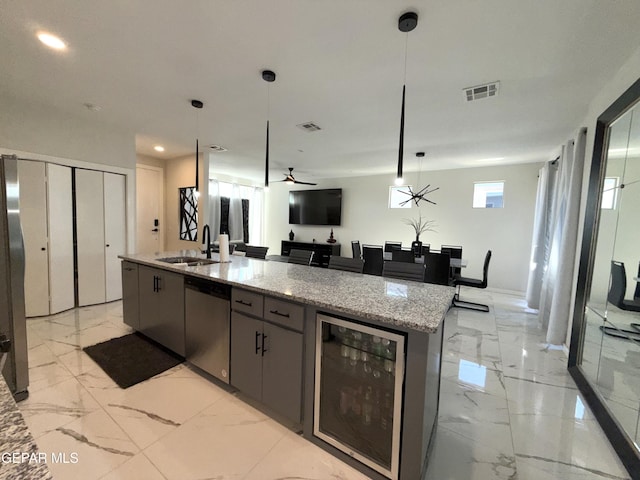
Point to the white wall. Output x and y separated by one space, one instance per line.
181 172
367 218
38 129
619 83
41 133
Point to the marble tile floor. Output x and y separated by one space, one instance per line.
508 410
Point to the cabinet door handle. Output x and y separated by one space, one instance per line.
158 283
257 347
276 312
242 302
263 349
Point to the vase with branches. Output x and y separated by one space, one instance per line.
420 225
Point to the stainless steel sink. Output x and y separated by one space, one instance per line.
191 261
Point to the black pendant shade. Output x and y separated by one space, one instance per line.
406 23
197 104
401 143
269 77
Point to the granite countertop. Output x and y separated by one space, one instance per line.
19 456
411 305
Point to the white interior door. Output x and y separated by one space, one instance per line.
60 210
149 211
33 218
115 236
90 237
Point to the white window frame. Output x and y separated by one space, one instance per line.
610 193
480 196
395 197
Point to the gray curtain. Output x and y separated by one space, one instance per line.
555 238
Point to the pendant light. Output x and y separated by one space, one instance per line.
197 104
406 23
269 77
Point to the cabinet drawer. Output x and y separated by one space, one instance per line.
247 302
287 314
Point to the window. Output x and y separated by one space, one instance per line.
610 193
488 194
236 210
400 197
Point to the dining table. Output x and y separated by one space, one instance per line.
454 262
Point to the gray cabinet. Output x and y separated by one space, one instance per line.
161 307
267 351
130 303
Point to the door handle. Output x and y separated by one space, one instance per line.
263 349
154 229
43 249
155 283
257 347
242 302
276 312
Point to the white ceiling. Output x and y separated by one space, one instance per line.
339 63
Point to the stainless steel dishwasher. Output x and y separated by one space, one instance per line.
207 325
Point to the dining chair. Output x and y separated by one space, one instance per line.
403 271
454 251
355 249
472 282
256 252
425 248
636 293
345 264
300 257
391 246
403 255
437 268
373 259
618 289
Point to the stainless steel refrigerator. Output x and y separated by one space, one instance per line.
13 324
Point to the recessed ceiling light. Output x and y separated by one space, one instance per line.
159 148
51 41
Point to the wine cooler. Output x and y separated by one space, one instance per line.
358 391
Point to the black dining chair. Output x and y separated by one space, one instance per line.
618 289
403 271
454 251
345 264
425 248
391 246
300 257
636 293
256 252
403 255
355 249
437 268
472 282
373 259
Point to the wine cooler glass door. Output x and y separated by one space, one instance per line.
358 391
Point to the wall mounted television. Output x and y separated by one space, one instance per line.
315 207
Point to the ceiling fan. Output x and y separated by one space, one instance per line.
289 178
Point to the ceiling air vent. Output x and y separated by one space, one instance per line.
217 148
309 127
481 91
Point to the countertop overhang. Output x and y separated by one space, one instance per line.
405 304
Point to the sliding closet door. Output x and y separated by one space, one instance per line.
60 209
114 232
90 236
33 218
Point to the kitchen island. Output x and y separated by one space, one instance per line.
353 359
19 455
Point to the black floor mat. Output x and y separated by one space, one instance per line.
621 333
132 359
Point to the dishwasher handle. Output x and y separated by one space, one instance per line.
220 290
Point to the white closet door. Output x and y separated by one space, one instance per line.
90 236
114 232
33 218
60 209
